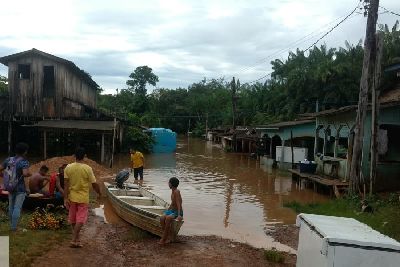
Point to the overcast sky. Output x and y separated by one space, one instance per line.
183 41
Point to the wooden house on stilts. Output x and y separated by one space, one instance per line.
47 96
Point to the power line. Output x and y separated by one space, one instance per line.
263 77
389 11
319 39
291 45
334 27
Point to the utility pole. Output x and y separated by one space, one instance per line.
365 83
316 140
234 101
375 111
207 126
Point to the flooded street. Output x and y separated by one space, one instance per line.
224 194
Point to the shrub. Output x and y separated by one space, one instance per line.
273 255
136 138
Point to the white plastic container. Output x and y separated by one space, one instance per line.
339 242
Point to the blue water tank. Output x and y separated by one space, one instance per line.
165 140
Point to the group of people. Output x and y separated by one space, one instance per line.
72 182
47 184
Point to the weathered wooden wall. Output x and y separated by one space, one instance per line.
72 94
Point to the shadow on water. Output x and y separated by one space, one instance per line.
225 194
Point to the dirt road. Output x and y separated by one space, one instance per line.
117 245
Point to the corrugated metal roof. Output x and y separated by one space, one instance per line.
75 124
391 95
284 124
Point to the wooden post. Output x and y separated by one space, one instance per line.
270 148
349 152
113 142
250 142
102 148
367 70
317 127
44 145
316 141
325 139
234 101
121 136
282 152
337 137
9 137
207 126
291 147
375 111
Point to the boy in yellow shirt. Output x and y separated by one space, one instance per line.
77 179
137 160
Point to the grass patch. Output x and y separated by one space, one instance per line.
135 234
26 246
384 219
272 255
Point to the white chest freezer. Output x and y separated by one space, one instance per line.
299 153
339 242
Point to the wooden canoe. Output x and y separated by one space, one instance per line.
141 208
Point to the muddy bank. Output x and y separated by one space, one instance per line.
117 245
286 234
54 163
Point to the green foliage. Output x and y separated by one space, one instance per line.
136 138
3 86
150 120
25 246
391 41
199 129
133 119
142 76
329 75
3 212
4 207
384 219
274 255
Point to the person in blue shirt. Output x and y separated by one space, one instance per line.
17 197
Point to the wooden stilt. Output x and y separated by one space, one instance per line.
9 137
102 148
45 144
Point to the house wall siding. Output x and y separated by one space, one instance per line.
71 94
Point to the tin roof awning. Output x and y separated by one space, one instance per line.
76 124
277 126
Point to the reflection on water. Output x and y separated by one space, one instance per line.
224 194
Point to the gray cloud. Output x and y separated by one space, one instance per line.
184 41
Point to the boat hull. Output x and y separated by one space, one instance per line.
139 215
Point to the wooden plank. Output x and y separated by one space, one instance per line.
336 191
45 144
319 179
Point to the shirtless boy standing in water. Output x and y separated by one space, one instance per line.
174 211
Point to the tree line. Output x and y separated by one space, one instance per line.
329 76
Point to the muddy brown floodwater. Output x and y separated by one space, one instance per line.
224 194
